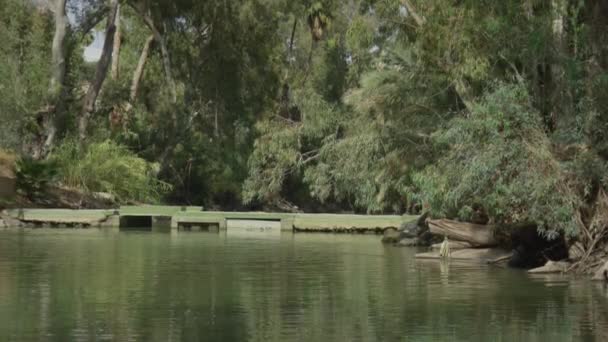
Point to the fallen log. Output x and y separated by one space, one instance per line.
477 235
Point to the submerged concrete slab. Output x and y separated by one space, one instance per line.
155 210
253 225
84 216
253 228
193 217
322 222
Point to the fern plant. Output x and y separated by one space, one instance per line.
33 177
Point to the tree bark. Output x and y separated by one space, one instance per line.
117 42
100 74
139 70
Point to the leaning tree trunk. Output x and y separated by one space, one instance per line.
167 65
139 70
138 73
146 16
164 51
100 74
50 112
117 42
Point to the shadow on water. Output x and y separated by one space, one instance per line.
97 285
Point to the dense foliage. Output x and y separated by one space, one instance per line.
483 110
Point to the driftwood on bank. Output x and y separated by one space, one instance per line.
476 235
483 255
551 267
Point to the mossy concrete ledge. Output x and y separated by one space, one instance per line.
60 218
194 217
348 223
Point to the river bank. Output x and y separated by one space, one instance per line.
520 246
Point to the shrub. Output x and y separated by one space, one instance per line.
111 168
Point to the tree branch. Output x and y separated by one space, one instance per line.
411 10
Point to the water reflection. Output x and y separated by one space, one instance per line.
109 285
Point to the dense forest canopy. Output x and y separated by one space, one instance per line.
491 111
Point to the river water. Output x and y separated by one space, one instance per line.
106 285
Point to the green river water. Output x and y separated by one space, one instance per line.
108 285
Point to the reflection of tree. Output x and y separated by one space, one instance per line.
592 312
136 286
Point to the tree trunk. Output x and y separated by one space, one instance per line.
139 70
50 113
147 18
100 73
58 50
117 42
167 65
561 97
293 34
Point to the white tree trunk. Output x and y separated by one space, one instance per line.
117 42
139 70
100 73
561 96
56 83
58 51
